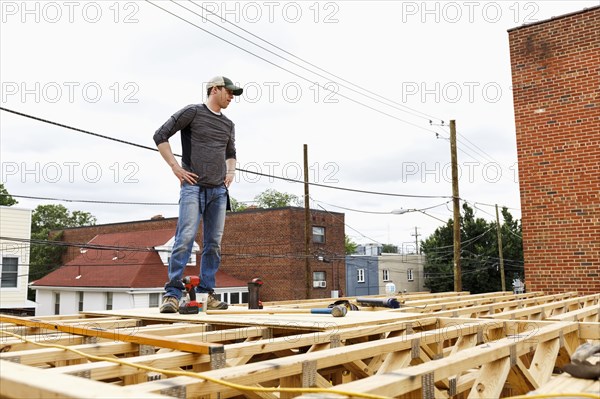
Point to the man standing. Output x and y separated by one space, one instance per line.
207 169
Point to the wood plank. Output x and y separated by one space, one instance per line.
491 379
19 381
139 338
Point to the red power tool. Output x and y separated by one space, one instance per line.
191 306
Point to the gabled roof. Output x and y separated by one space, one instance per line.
123 260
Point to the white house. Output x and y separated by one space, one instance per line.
15 233
120 271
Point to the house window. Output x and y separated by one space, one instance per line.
319 234
361 275
319 280
109 301
386 275
409 274
80 300
244 297
154 299
234 297
10 271
57 303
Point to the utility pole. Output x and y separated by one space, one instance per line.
307 225
456 208
416 235
500 256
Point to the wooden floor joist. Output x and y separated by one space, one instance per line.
437 345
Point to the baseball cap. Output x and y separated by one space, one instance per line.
222 81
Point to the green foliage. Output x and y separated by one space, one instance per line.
45 218
350 245
389 249
274 199
237 206
5 198
479 254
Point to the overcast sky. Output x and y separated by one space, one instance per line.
357 81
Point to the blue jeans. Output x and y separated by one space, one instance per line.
195 203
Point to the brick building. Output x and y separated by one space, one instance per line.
264 243
556 81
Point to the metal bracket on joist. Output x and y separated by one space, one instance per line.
452 386
89 339
147 350
409 329
428 384
217 357
415 348
309 373
335 341
513 355
267 333
177 392
82 374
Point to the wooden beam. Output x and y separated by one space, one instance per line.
19 381
139 338
491 379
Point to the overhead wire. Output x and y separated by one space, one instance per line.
288 70
413 112
242 170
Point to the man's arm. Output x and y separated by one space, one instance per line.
182 174
231 162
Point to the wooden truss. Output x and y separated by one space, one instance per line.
434 346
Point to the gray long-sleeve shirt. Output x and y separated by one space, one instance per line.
207 140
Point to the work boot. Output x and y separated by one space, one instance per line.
170 304
214 304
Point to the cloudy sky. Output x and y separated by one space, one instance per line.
357 81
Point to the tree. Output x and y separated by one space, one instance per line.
350 245
389 249
274 199
479 254
5 198
237 206
45 257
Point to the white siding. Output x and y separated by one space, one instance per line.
45 302
15 223
93 299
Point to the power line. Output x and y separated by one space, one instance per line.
287 70
241 170
414 111
91 201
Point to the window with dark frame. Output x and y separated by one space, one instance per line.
386 275
318 234
57 303
109 301
80 300
10 272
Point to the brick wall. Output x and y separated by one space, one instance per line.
265 243
556 89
